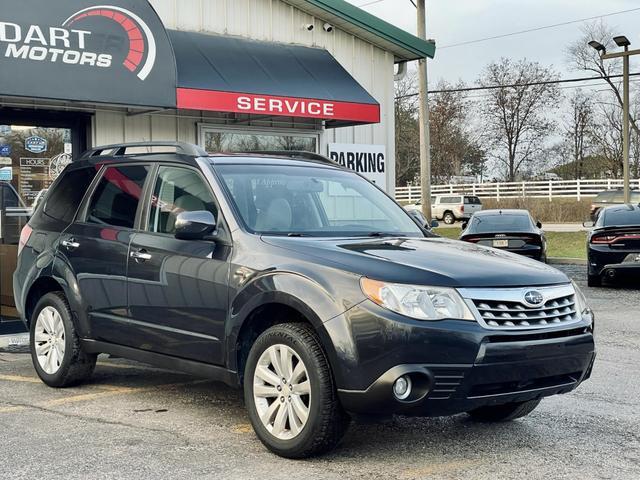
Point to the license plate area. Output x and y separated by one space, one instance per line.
500 243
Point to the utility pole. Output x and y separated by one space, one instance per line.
625 124
425 143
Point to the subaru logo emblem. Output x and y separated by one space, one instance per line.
533 298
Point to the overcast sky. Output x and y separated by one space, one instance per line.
455 21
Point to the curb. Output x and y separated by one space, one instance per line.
567 261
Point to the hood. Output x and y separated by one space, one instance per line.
424 261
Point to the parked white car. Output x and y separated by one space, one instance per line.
451 207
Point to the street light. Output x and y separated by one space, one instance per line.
623 42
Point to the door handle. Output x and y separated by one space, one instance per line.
70 244
140 256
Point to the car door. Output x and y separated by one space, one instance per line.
178 289
96 246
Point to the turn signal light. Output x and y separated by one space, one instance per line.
25 233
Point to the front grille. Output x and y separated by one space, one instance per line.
507 308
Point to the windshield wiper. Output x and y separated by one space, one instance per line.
296 234
379 234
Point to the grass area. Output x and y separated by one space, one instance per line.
559 244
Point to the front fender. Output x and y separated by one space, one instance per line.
293 289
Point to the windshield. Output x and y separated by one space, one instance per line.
500 223
311 201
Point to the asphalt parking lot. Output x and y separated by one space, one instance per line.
135 421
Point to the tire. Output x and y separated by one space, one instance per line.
594 280
326 422
52 322
504 413
449 218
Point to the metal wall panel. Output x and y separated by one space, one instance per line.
271 20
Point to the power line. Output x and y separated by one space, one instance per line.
536 29
369 3
517 85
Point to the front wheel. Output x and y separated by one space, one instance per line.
290 394
504 413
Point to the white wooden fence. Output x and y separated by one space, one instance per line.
532 189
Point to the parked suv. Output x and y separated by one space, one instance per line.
299 281
450 208
611 197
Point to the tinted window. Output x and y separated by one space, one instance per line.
115 199
621 216
450 200
500 223
63 200
177 190
312 201
472 201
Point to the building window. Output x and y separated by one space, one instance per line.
227 140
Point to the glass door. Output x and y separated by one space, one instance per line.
31 157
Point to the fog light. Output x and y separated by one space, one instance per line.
402 387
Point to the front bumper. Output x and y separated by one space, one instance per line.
458 366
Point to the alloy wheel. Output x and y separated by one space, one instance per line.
49 340
282 392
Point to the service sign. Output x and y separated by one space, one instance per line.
5 130
368 160
115 52
5 150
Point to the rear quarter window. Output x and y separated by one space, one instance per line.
63 200
621 216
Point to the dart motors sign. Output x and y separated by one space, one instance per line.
86 50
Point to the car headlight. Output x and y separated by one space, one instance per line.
581 301
417 301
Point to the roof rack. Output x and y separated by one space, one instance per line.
301 154
120 149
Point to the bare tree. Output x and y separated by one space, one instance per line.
450 137
583 57
576 126
516 117
407 131
606 136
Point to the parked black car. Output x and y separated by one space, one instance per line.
613 246
607 198
511 230
298 280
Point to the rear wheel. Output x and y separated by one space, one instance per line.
504 413
594 280
449 218
290 395
55 346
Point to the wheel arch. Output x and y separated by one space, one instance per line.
265 310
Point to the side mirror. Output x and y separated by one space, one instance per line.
195 225
464 225
588 224
435 223
539 224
